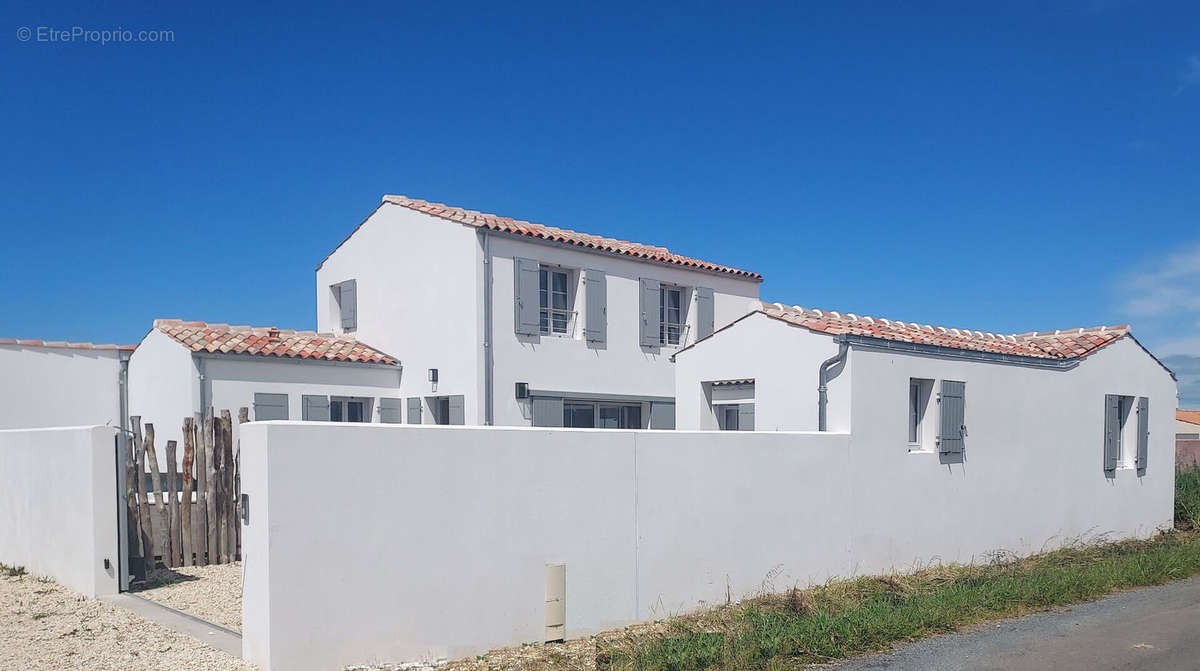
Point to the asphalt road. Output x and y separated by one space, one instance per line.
1152 629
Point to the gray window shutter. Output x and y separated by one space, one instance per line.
270 406
348 302
315 408
704 312
1112 427
953 416
389 410
547 411
662 415
526 296
458 412
1143 438
414 410
650 322
595 289
745 417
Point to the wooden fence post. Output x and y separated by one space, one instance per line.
173 500
189 482
210 504
200 524
139 467
133 524
156 480
243 419
228 521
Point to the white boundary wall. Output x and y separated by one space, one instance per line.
441 549
58 505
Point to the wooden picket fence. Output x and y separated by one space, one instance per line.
189 515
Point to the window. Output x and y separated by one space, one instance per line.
729 417
347 410
1126 443
554 299
670 315
919 392
620 416
270 406
449 410
732 403
579 415
345 296
584 415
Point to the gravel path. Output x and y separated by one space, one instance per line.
47 627
212 593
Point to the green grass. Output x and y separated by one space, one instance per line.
845 618
1187 498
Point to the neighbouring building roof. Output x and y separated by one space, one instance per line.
1050 345
269 342
65 345
1062 344
520 227
1189 416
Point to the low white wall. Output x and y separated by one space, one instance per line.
44 386
441 552
58 505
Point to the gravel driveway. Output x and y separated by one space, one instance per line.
47 627
212 593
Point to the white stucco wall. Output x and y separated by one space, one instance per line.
58 505
648 522
783 360
1034 452
468 573
419 298
233 382
420 283
621 366
58 386
164 387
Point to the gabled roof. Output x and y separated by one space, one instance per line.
512 226
1189 416
65 345
269 342
1064 344
1048 345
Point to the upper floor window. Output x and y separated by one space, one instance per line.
554 301
345 296
670 313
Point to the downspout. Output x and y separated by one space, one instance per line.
823 382
488 391
201 377
122 485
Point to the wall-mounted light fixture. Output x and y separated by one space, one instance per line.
522 390
433 375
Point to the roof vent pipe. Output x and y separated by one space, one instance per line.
823 382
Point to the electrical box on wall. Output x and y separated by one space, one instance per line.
556 602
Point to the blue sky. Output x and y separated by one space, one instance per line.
1002 167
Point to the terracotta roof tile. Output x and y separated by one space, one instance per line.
1189 416
269 341
1069 344
65 345
519 227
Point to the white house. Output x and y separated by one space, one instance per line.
520 323
180 367
928 389
60 384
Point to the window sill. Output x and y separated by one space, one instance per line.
917 449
